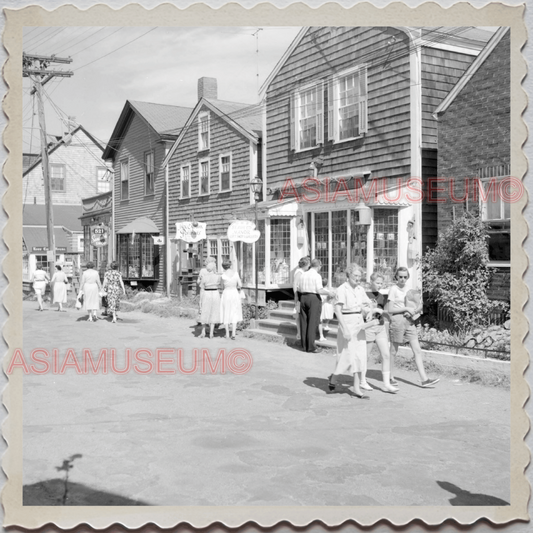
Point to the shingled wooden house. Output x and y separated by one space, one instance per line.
210 165
140 140
351 108
475 144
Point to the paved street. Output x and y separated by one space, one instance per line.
272 436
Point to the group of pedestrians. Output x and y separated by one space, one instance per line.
91 290
365 318
220 298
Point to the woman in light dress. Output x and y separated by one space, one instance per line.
210 300
201 274
114 287
230 303
352 306
40 279
90 287
59 287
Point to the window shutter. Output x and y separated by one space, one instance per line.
292 113
363 102
331 110
320 113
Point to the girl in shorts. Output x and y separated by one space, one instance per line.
379 334
403 330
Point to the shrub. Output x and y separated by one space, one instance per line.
455 273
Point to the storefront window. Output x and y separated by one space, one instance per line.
339 250
137 259
322 241
280 250
386 242
261 251
247 263
358 241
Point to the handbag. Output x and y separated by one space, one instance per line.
102 293
242 294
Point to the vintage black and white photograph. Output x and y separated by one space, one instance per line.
267 266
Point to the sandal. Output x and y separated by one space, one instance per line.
233 337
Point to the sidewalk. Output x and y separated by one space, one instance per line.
272 436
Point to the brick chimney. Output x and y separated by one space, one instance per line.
207 88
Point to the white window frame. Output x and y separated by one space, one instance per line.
228 155
103 183
200 163
204 144
502 221
63 177
147 192
334 103
182 168
298 114
124 164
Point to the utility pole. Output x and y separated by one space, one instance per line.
35 68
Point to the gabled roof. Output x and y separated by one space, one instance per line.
470 71
166 121
60 142
64 215
245 118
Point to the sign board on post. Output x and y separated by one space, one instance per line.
191 231
243 230
99 235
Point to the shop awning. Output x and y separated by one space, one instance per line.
270 208
36 239
140 225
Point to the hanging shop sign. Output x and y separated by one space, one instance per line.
243 230
99 236
158 240
37 249
191 231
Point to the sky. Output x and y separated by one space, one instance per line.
162 65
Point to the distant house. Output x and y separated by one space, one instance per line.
210 167
142 137
351 142
76 170
475 144
68 234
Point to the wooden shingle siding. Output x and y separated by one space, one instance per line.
429 209
385 148
215 208
139 139
441 69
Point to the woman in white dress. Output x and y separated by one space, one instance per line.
90 287
210 300
40 279
352 305
230 303
59 287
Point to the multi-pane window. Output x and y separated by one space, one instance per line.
185 177
260 244
204 177
496 212
322 241
124 179
103 179
339 247
247 263
137 256
224 250
213 249
57 178
203 131
280 250
347 105
225 172
385 242
149 173
358 240
307 117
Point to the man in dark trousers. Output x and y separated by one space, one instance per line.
309 289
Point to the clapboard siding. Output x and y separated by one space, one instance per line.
215 208
139 138
441 69
322 53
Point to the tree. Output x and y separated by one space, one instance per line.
456 275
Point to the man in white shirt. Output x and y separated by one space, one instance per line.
309 289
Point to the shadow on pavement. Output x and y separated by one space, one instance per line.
463 497
51 493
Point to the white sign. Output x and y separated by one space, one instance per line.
99 236
243 230
191 231
158 240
